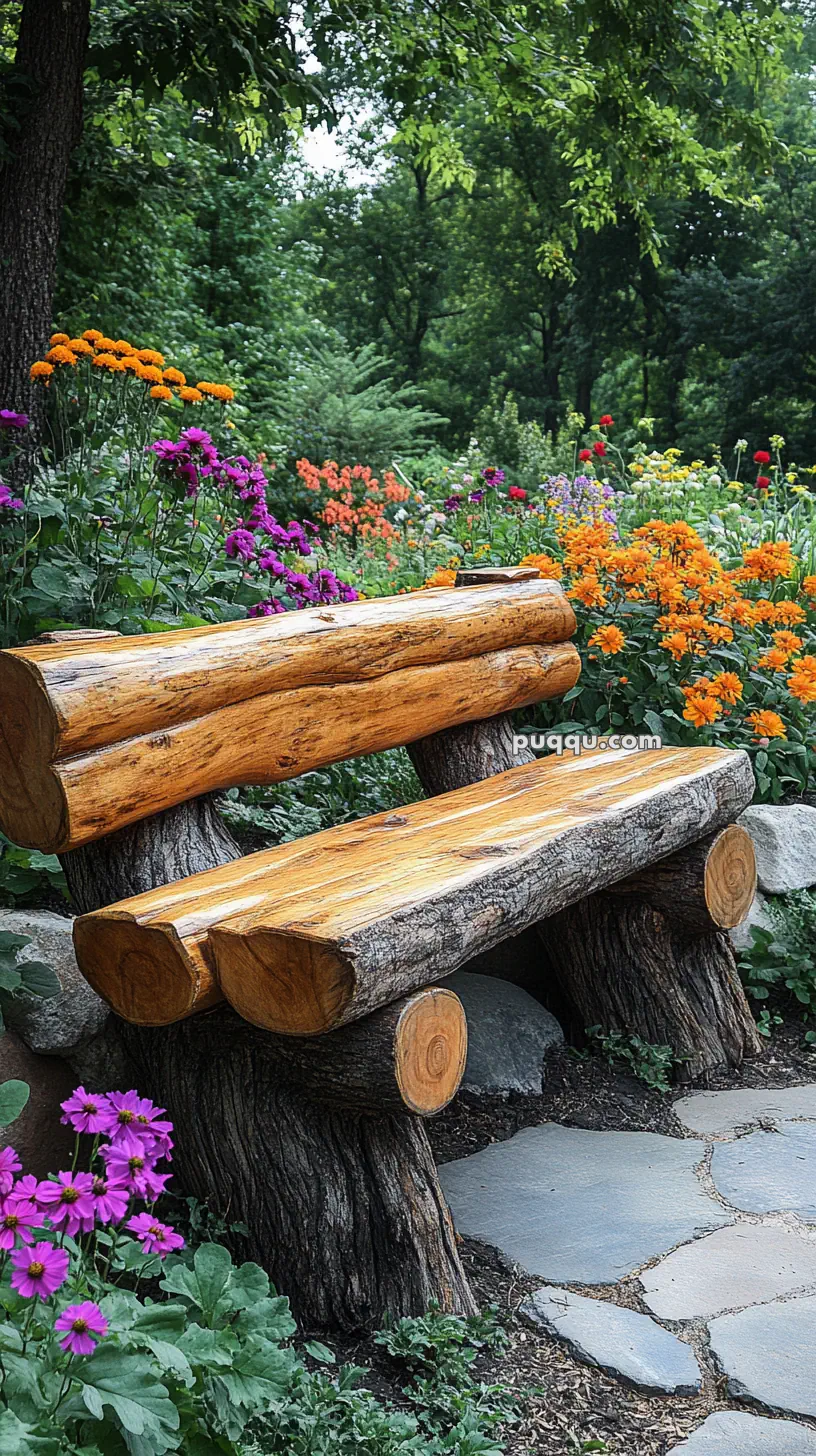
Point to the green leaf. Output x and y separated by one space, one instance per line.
129 1388
573 693
655 722
13 1098
19 1439
11 942
53 582
39 979
320 1352
249 1285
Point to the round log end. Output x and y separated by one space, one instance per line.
430 1050
282 983
730 877
145 976
33 810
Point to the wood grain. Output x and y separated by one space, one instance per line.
267 739
708 886
316 933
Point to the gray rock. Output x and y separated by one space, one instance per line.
745 1264
759 917
735 1433
509 1034
767 1354
769 1172
784 838
576 1206
59 1023
39 1137
713 1112
620 1341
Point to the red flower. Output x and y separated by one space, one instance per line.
762 458
762 482
516 493
599 448
584 454
606 421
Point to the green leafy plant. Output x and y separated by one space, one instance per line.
21 978
27 874
781 963
649 1062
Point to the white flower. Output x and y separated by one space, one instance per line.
401 515
715 479
741 445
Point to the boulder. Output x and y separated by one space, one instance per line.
57 1024
509 1035
759 917
43 1144
784 838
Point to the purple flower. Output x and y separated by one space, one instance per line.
11 420
86 1111
69 1201
136 1120
452 503
270 608
38 1271
84 1324
27 1187
130 1166
111 1198
476 497
9 1165
493 476
155 1238
11 502
240 543
18 1216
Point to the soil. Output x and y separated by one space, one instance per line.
565 1404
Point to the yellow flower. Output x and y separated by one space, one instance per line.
160 391
190 395
610 640
41 370
216 391
60 355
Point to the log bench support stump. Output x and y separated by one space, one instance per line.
307 1141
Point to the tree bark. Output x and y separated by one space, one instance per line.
709 885
465 755
344 1208
626 967
50 59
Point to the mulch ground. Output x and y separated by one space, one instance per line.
565 1404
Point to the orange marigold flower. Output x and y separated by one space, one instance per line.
150 356
174 376
774 659
80 346
92 335
149 373
588 589
160 391
547 566
677 643
58 339
809 586
701 709
123 347
441 577
767 562
132 364
216 391
105 344
110 362
727 687
766 724
802 682
41 370
610 640
60 355
190 395
789 612
788 641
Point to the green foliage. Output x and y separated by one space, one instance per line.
27 875
650 1063
13 1098
780 964
21 978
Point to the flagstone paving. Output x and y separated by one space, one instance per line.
714 1233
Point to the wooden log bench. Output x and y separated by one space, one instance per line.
283 1005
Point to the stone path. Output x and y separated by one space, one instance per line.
712 1234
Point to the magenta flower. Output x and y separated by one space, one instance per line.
27 1187
154 1237
69 1201
11 502
12 420
9 1165
131 1166
111 1198
38 1271
137 1117
86 1111
18 1216
84 1324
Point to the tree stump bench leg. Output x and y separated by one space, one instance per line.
343 1204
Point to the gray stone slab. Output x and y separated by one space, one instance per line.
769 1172
509 1034
735 1433
745 1264
576 1206
768 1356
784 838
719 1112
625 1344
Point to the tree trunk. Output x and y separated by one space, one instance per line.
626 967
344 1208
50 57
460 756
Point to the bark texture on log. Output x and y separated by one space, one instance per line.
344 1209
626 967
465 755
708 886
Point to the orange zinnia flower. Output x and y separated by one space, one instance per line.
701 710
727 686
774 659
547 566
766 724
610 640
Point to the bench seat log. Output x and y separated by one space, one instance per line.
314 934
98 734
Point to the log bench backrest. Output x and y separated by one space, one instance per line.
96 735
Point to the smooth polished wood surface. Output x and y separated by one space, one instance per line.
97 734
318 932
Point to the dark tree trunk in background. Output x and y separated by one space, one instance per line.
51 52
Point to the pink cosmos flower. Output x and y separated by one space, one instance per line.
131 1166
69 1201
9 1165
38 1271
83 1324
27 1187
18 1217
155 1238
134 1114
111 1197
86 1111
